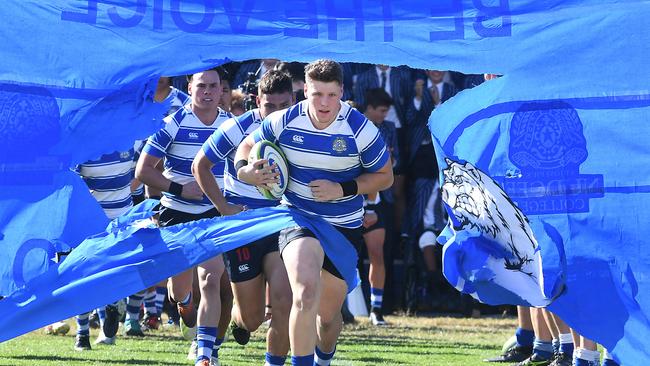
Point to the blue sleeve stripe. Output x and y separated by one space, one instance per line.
210 152
379 163
162 138
223 144
153 149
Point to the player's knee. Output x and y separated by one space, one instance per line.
305 298
376 253
251 321
210 282
282 303
327 319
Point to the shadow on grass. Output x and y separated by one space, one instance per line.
103 360
387 341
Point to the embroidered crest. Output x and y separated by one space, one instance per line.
339 145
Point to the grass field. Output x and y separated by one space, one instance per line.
444 341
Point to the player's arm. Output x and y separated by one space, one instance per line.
146 172
202 172
151 192
258 173
366 183
370 215
371 183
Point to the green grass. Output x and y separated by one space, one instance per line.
443 341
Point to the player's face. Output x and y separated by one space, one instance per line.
376 114
270 103
226 96
435 76
205 90
324 100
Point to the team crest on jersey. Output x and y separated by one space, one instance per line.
339 145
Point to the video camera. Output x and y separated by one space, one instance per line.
249 88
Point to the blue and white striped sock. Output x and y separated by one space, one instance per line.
376 297
161 293
101 314
608 359
566 344
543 349
133 304
82 324
525 337
556 345
274 360
205 339
302 360
585 357
187 299
150 302
323 358
217 346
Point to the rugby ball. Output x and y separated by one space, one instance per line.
267 150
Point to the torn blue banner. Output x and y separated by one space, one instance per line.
133 254
93 96
50 212
575 166
130 38
44 131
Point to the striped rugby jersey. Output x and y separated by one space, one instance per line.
109 180
177 99
222 145
348 147
177 143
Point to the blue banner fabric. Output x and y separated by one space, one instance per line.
547 186
132 254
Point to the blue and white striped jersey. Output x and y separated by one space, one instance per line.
222 145
109 180
177 143
177 99
341 152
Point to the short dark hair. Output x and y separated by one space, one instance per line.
295 69
275 82
325 71
377 97
218 69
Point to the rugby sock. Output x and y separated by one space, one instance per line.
524 337
217 346
608 360
585 357
566 344
302 360
556 345
543 349
101 314
322 358
82 324
205 339
161 293
187 299
274 360
376 297
133 304
150 303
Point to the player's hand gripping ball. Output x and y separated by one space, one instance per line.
272 153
